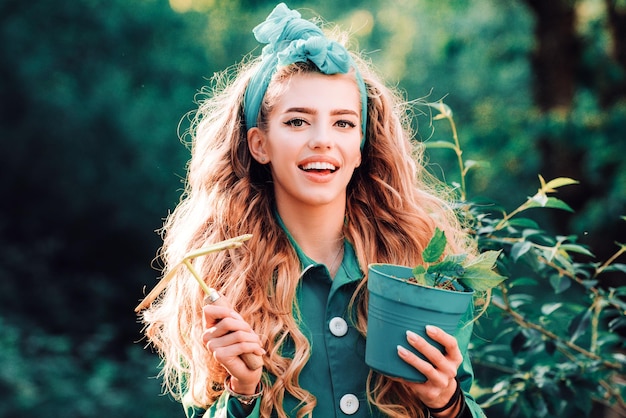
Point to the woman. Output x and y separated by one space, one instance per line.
310 153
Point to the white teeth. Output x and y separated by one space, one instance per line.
318 166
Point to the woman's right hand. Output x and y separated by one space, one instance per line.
227 336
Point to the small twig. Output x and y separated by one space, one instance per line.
494 366
507 216
527 324
610 261
459 155
614 393
595 322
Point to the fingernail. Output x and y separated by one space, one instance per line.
432 330
411 336
235 315
402 351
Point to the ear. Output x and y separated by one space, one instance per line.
257 145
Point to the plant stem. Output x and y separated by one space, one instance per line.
494 366
614 393
610 261
595 322
519 319
507 216
459 155
596 292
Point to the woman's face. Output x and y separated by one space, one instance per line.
312 140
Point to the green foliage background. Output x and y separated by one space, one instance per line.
92 95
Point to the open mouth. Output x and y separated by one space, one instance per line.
318 167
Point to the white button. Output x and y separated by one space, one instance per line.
349 404
338 326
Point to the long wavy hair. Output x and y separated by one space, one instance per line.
393 207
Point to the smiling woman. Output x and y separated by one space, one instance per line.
305 149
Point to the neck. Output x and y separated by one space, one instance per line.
318 231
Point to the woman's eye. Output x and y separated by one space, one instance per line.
345 124
295 122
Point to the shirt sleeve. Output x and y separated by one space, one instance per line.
224 407
465 373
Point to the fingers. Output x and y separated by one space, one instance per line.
231 346
224 319
237 342
212 314
438 367
449 343
227 336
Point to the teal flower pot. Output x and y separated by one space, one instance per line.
396 306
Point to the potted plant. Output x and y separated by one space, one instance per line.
436 293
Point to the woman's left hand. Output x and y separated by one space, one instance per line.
440 369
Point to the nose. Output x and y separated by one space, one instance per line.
321 137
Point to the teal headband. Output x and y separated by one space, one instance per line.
291 39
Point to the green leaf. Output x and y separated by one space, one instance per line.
456 258
479 274
550 347
481 280
447 268
559 283
579 324
518 342
523 223
420 269
484 261
440 144
523 281
548 308
617 323
542 201
575 248
430 280
419 273
616 267
519 249
435 248
560 182
521 299
529 233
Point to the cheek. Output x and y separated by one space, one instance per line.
355 158
279 149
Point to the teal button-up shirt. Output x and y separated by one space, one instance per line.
336 373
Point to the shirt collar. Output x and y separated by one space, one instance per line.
349 269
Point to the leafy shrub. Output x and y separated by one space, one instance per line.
57 376
549 343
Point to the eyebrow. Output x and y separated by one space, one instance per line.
311 111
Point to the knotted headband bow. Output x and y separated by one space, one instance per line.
291 39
